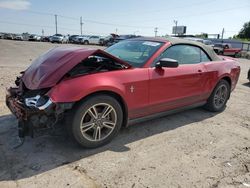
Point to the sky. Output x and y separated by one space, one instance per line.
140 17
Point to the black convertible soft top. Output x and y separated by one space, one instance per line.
174 40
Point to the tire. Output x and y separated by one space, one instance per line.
97 131
217 101
86 42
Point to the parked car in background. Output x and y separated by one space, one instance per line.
194 39
59 38
9 36
72 38
130 80
226 49
79 39
218 48
45 38
107 41
18 37
1 35
34 37
123 37
93 40
208 42
201 40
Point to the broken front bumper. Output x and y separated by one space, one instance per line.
35 114
23 110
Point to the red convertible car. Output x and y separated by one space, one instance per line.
99 91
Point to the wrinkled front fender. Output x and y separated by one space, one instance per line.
75 89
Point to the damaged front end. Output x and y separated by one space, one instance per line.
30 99
35 111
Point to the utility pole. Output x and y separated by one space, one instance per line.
116 31
222 33
42 32
175 31
156 30
56 22
81 24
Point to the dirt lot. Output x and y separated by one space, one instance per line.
194 148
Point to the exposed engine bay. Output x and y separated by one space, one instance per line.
94 64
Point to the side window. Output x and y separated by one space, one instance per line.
185 54
204 57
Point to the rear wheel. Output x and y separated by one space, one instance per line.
219 97
96 121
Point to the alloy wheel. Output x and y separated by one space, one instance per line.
220 96
98 122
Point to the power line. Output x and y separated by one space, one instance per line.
90 21
24 24
137 26
49 27
114 24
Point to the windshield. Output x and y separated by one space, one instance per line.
136 53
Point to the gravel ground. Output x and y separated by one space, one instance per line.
194 148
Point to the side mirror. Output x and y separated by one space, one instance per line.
167 62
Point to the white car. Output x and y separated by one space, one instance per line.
18 37
58 38
91 40
34 38
80 39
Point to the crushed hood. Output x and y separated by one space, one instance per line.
48 69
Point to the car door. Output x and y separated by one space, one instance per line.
171 88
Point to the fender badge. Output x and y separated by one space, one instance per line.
132 89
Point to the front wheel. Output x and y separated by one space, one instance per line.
96 121
219 97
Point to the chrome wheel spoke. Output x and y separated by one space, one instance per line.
108 124
97 133
87 126
107 110
93 112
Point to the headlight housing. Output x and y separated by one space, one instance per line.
40 102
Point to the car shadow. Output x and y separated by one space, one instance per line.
246 84
48 152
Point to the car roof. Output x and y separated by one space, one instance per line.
175 41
